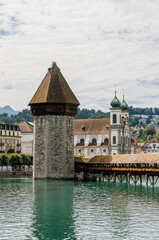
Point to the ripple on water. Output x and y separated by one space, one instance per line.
68 210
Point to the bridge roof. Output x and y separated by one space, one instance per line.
149 158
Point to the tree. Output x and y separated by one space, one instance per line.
25 159
148 120
4 160
150 130
15 160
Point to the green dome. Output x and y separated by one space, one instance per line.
124 105
115 103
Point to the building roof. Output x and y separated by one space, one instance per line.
124 105
54 89
149 158
25 127
134 140
91 126
115 103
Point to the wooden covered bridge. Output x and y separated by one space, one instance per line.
128 168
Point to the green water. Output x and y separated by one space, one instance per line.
68 210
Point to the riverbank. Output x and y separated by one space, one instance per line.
16 174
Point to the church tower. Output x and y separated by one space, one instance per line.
125 135
115 127
54 106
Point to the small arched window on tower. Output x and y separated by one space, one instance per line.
114 118
56 121
41 121
114 139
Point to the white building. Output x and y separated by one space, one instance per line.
26 137
104 136
151 146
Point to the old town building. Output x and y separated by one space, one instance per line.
10 138
151 146
105 136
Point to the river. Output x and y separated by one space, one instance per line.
70 210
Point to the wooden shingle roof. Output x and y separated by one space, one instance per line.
54 89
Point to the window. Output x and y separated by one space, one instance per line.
41 121
56 121
91 150
9 133
114 139
13 134
94 140
104 150
114 118
79 150
0 132
69 120
82 141
106 140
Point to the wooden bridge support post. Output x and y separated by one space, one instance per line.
152 182
140 179
127 178
147 179
114 177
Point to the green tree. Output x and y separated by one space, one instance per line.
15 160
150 130
25 159
4 160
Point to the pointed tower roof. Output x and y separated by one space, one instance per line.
54 96
115 103
54 89
124 105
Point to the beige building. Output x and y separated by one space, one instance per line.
27 137
10 138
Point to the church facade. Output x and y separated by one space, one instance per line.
104 136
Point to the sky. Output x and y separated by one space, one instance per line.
96 44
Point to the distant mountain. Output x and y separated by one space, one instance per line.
7 109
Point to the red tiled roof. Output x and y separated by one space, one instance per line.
91 126
25 127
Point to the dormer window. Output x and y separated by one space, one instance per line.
83 128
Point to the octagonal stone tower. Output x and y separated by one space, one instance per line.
54 106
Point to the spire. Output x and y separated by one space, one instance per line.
54 96
124 105
54 89
115 103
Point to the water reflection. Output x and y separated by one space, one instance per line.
53 201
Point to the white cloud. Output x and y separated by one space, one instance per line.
96 44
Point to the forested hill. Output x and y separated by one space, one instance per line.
14 119
84 113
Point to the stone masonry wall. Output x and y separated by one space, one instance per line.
53 146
